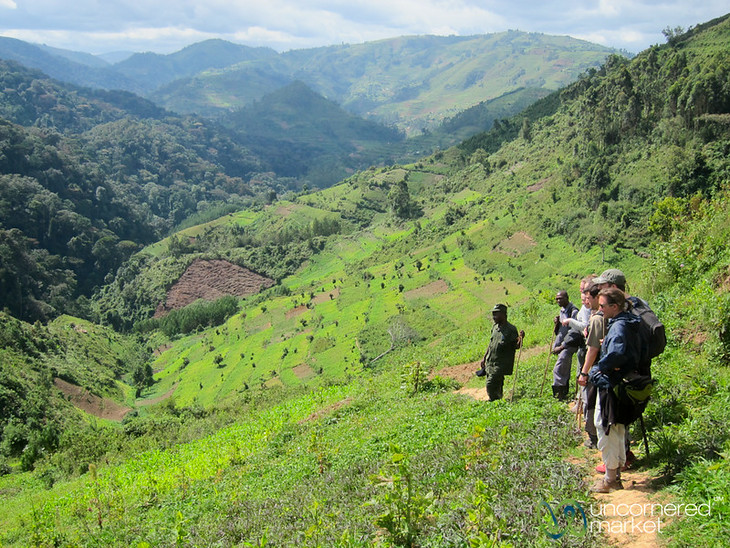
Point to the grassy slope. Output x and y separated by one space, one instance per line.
297 464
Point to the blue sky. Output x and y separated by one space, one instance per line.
164 26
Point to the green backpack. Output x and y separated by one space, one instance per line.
633 394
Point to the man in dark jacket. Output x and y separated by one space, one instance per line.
499 359
561 347
620 355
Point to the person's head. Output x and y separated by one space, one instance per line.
499 313
611 301
612 277
584 299
562 299
585 282
590 296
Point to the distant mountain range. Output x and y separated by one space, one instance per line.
410 82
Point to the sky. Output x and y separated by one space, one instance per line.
165 26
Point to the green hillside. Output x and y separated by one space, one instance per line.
411 82
323 411
152 70
301 132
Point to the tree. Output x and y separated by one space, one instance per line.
399 200
672 34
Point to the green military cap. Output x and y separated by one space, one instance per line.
611 276
500 308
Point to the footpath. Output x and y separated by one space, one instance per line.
628 518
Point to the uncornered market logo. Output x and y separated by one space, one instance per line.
614 518
570 509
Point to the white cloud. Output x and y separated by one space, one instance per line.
168 25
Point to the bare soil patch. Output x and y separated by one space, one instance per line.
294 312
538 185
211 280
517 244
303 371
327 410
429 290
326 296
104 408
285 210
461 373
161 349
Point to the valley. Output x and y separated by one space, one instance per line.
312 381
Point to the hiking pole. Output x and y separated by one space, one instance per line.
514 379
643 431
547 363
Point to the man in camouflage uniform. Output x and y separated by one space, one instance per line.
499 359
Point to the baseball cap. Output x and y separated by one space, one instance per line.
611 276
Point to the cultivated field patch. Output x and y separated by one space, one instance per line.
103 408
211 280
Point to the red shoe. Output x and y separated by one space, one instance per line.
630 459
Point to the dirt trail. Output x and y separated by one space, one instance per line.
626 516
630 517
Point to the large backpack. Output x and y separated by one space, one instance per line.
651 331
633 394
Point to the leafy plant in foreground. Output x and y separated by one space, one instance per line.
406 510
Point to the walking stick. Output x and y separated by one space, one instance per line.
514 379
547 363
643 431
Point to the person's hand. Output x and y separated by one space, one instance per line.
566 322
582 380
598 379
558 349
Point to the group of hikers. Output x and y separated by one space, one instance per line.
614 336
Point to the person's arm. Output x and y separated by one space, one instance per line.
592 353
575 323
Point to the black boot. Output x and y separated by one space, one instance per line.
560 392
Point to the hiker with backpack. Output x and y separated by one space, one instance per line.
499 359
651 334
620 356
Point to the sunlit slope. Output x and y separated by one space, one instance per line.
389 285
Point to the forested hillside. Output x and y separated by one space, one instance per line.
87 177
323 411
